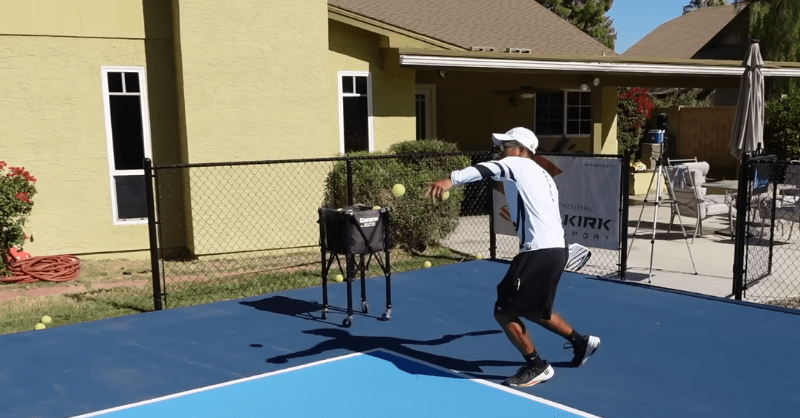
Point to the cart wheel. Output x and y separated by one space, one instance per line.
386 316
364 307
347 322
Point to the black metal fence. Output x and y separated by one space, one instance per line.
229 230
766 266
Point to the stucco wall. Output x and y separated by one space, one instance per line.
52 122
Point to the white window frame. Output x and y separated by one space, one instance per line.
429 91
565 120
566 106
341 97
113 172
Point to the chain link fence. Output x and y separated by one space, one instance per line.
229 230
771 233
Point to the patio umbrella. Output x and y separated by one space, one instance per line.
747 134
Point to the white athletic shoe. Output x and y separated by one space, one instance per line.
583 351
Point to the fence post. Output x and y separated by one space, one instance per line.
151 224
350 182
741 227
624 212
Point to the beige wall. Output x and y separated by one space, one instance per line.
256 79
52 115
52 123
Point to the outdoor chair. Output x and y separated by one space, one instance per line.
689 198
787 202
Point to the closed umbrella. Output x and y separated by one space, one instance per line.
747 134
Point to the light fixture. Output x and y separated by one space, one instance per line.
596 82
442 73
527 95
584 87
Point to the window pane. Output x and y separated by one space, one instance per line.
573 98
586 127
586 98
131 201
356 129
420 109
542 127
541 113
557 113
361 85
586 112
126 132
557 99
115 82
573 113
131 82
572 127
347 84
556 127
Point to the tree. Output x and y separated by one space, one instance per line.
634 108
699 4
587 15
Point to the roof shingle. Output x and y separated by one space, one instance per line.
501 24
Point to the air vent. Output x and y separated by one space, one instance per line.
483 48
519 50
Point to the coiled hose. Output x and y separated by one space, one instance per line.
48 268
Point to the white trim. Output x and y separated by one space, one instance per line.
595 67
429 91
148 152
370 118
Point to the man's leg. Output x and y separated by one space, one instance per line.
535 369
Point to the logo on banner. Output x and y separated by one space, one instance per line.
505 213
548 166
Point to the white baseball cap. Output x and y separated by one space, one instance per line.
519 134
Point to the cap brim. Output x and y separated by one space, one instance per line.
498 139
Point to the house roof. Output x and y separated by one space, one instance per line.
684 36
499 24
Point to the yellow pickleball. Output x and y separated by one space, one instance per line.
398 190
445 195
338 278
39 326
426 264
46 319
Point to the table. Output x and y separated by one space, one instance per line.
729 187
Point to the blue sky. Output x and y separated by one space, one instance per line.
633 19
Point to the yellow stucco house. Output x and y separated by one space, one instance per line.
88 88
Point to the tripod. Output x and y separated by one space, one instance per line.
662 175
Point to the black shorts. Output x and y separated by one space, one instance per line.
529 288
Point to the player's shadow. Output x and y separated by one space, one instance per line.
338 339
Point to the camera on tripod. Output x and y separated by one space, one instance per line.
654 143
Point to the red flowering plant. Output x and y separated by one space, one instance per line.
16 194
634 108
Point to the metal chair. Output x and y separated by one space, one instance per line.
688 196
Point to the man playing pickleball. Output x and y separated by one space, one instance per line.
529 287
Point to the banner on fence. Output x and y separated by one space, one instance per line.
589 195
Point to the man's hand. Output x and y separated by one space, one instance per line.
436 189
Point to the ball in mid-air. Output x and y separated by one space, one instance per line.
338 278
376 207
445 195
39 326
46 319
426 264
398 190
479 256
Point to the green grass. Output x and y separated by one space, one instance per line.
23 313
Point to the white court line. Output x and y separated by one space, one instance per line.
346 356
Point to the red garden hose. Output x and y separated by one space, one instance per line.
49 268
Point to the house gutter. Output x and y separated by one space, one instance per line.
731 69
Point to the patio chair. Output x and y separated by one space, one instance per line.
787 202
689 198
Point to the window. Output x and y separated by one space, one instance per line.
425 107
128 138
563 113
355 111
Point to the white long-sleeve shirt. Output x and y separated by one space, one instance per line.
532 199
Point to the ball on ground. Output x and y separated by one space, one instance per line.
479 256
426 264
398 190
338 278
376 207
39 326
445 195
46 319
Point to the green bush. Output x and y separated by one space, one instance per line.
416 222
782 126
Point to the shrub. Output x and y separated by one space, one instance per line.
634 107
16 192
416 222
782 126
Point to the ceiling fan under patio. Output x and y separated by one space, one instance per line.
524 92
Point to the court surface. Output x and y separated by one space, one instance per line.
663 354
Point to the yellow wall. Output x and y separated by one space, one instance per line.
52 116
256 79
89 18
